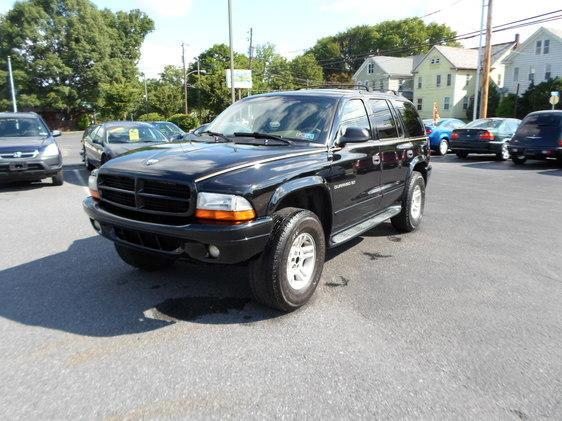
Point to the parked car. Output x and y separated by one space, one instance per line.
272 181
112 139
28 151
439 133
170 130
485 136
538 137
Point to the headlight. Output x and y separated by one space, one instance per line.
223 207
93 184
50 150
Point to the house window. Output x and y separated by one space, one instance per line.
432 61
547 72
546 46
420 104
371 68
532 74
437 61
516 74
538 47
419 82
467 80
381 85
438 81
465 103
449 79
500 79
446 103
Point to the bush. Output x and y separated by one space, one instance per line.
204 115
507 106
185 121
83 121
150 117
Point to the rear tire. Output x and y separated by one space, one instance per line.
443 147
58 179
89 166
462 154
288 271
413 203
141 260
518 161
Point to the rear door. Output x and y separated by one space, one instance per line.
97 146
393 149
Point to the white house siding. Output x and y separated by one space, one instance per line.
525 57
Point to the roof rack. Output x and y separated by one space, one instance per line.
337 86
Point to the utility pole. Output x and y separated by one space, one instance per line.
145 95
198 77
14 104
232 94
487 63
184 77
251 53
479 64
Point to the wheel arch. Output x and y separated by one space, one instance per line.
420 165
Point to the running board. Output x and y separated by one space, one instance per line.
360 228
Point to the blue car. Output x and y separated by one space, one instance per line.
439 133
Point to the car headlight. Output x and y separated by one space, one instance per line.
93 184
224 207
50 150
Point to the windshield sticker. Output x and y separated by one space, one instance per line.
134 135
274 124
307 136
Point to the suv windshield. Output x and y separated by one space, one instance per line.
297 118
22 127
134 134
168 129
484 123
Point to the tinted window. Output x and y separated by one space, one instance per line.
412 124
541 126
354 114
22 127
382 119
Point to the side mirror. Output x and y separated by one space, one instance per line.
55 133
354 135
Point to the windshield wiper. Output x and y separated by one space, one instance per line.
258 135
217 134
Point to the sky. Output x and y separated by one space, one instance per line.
295 25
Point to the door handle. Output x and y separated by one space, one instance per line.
405 145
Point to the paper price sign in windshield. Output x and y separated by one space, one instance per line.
134 135
242 79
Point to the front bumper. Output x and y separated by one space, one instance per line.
476 146
535 153
29 168
237 243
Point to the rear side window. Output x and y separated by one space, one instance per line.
541 126
382 119
412 123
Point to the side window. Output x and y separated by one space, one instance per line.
382 119
354 115
412 123
99 135
92 133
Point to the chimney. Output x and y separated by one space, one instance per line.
516 41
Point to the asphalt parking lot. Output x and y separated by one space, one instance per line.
461 319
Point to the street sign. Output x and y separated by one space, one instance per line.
555 93
242 79
554 99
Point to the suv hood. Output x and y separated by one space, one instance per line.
188 162
22 144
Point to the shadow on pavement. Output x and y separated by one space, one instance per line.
87 290
553 167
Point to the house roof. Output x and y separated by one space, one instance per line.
393 66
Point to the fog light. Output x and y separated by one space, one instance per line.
214 251
96 226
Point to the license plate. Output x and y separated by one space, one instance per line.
18 166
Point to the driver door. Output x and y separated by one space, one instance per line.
97 146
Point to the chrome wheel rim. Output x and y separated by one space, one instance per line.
505 152
443 147
415 208
301 261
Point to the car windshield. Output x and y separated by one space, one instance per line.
303 118
484 123
134 134
168 129
22 127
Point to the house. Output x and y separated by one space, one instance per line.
536 60
387 73
446 76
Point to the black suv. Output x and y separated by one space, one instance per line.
28 151
274 180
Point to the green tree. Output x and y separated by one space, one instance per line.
507 106
306 70
63 51
120 99
535 98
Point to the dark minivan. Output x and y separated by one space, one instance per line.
538 137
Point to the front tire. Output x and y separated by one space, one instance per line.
141 260
504 154
413 204
518 161
287 273
58 179
443 147
87 163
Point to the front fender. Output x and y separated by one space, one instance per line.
295 185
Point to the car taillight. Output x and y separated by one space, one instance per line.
560 143
487 136
428 131
454 136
